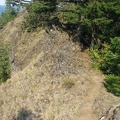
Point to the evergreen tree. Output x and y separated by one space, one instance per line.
40 12
98 20
18 3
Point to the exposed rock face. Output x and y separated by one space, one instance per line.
107 107
45 64
112 114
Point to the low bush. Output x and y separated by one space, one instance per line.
4 63
107 60
112 83
7 15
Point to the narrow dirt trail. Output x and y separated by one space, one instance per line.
94 93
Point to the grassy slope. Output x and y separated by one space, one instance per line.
44 67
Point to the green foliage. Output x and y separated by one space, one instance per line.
107 59
7 15
39 7
4 63
111 57
112 84
31 22
39 14
97 20
71 17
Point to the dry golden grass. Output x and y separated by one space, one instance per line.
68 82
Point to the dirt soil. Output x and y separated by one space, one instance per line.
52 79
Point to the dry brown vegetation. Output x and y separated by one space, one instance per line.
43 66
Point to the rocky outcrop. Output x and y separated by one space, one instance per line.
112 114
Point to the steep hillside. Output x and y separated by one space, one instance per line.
52 79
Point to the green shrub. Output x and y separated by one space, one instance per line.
4 63
111 57
112 83
107 60
7 15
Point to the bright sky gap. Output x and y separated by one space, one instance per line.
2 2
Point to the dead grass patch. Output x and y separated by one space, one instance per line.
68 82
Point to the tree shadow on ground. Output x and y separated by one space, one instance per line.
24 114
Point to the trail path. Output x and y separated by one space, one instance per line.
94 93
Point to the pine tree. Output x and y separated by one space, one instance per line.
18 3
40 12
95 18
